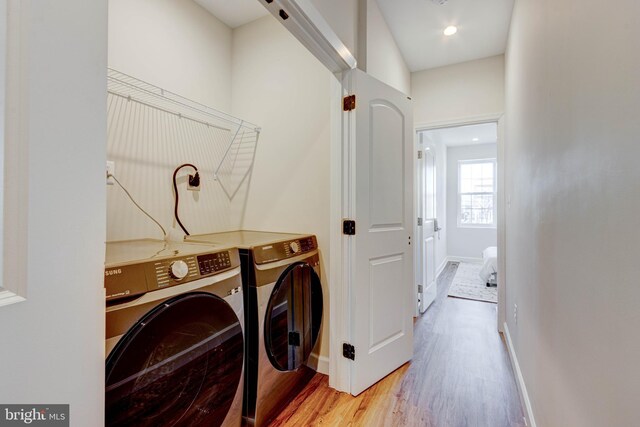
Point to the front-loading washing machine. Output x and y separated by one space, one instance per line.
174 335
283 312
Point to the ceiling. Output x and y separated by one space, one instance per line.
486 133
417 27
234 13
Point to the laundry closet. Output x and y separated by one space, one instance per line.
218 125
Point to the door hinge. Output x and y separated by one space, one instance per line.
419 154
419 221
349 227
349 103
420 289
348 351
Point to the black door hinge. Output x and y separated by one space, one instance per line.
348 351
349 227
349 103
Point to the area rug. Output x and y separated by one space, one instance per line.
467 284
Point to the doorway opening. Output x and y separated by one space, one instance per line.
186 79
458 213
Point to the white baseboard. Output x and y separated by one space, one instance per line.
319 363
464 259
522 388
442 267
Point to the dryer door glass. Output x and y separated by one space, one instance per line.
293 317
180 364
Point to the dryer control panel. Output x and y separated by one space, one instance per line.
283 250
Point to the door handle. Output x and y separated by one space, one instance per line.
294 338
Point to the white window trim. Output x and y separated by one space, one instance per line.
495 194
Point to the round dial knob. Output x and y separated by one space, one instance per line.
295 247
178 270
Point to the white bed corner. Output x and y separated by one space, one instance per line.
489 264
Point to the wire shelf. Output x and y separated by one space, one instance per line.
238 137
133 89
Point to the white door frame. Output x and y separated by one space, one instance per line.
339 312
312 30
501 200
14 143
418 185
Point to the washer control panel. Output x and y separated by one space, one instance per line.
172 271
213 263
283 250
133 279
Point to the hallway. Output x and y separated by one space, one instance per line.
460 376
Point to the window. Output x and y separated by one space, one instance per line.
477 193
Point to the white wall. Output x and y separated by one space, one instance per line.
362 28
572 229
457 92
181 47
279 84
342 16
383 59
465 242
174 44
52 344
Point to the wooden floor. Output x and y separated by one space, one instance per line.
460 376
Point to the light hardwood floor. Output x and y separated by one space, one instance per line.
460 376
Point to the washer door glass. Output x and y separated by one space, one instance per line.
293 317
180 364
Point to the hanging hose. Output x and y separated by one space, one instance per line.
194 180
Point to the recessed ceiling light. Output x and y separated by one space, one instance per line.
450 30
475 139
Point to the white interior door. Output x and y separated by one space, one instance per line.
382 301
429 225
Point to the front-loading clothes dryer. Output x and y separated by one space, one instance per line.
174 335
283 312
